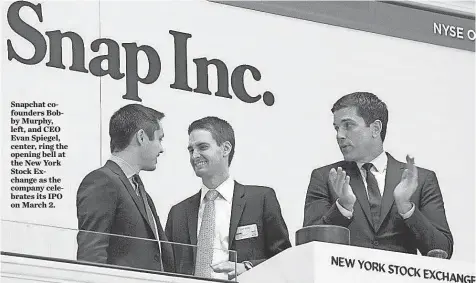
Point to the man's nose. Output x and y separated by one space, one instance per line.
195 154
341 134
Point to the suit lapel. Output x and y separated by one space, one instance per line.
192 221
358 187
392 178
139 203
160 230
238 204
192 217
166 248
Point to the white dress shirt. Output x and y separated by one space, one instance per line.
379 169
127 168
222 221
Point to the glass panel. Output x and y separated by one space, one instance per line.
89 247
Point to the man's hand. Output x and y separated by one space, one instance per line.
340 184
229 267
406 187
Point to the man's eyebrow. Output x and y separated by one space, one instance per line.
345 120
198 144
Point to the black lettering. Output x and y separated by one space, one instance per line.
27 32
237 83
361 263
181 75
390 269
112 57
334 261
368 265
350 262
132 76
56 50
417 272
202 77
375 266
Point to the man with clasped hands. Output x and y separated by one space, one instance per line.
386 204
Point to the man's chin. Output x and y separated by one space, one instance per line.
150 168
198 172
348 157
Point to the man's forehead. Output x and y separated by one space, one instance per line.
348 113
160 131
200 136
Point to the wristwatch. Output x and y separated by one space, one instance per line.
248 265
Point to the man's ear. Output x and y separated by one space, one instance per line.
226 148
376 128
140 136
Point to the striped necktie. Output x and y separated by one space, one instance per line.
206 237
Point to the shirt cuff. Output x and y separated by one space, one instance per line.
248 265
409 213
345 212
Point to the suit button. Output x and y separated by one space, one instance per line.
375 243
157 257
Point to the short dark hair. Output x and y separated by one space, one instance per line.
129 119
220 129
368 106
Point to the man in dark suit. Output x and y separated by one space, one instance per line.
386 204
112 199
224 214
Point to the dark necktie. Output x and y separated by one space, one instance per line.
375 199
206 237
143 195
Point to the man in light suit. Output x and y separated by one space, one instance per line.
386 204
224 214
112 199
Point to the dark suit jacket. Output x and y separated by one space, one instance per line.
107 203
425 230
250 205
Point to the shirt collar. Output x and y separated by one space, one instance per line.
128 169
380 162
225 190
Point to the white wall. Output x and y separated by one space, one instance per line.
429 91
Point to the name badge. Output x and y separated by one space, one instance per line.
245 232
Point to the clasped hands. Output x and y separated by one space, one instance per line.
340 183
